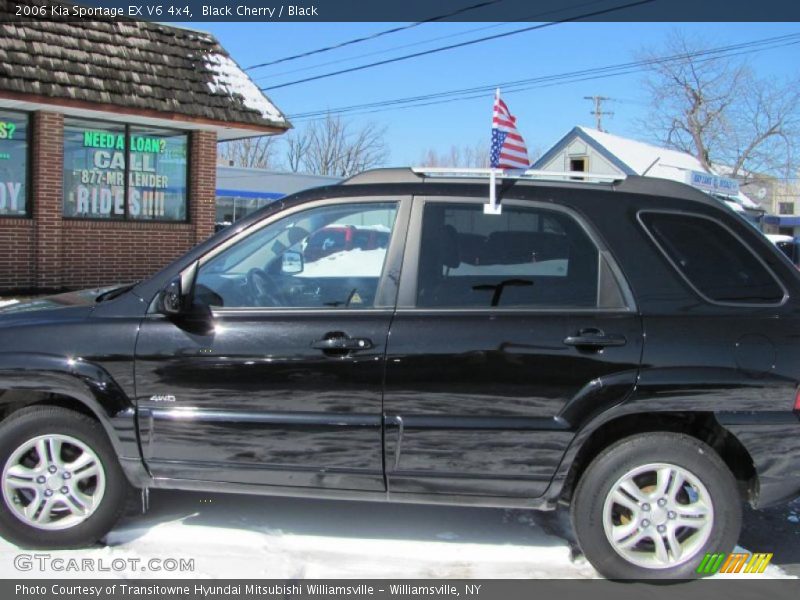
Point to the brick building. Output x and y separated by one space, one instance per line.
108 133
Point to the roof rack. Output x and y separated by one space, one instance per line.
518 174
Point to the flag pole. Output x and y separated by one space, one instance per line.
492 208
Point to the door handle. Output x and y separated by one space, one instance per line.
341 342
594 339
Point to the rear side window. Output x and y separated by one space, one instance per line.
526 257
713 260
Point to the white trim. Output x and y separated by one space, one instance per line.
519 174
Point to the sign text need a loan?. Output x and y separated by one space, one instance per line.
99 189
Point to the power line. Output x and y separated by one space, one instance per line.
554 79
374 35
377 52
529 17
459 45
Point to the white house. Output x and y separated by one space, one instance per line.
594 151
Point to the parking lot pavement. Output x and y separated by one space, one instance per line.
259 537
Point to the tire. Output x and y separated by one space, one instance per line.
75 503
646 465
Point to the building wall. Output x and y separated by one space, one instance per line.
48 252
577 148
17 267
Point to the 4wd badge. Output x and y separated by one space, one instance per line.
162 398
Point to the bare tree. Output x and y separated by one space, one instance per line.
332 146
296 150
474 156
719 111
255 152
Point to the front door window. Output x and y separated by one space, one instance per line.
324 257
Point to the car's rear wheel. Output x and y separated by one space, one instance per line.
62 486
652 506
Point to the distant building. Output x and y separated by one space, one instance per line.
242 191
781 199
108 145
594 151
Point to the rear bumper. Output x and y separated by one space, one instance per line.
773 441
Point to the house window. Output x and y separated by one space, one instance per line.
114 171
786 208
578 164
13 164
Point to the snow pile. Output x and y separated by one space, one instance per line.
7 302
347 263
229 79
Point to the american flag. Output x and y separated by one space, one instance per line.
508 147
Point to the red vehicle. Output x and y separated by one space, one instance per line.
339 238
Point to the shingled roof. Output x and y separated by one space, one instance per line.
133 65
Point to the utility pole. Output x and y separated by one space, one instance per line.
598 110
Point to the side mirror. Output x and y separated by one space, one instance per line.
172 299
177 298
292 263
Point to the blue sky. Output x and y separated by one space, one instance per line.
544 114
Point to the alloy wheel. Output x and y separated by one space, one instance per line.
658 516
53 482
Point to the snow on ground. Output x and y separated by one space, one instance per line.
8 302
232 536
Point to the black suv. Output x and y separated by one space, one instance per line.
630 348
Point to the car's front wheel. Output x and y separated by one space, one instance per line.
62 486
652 505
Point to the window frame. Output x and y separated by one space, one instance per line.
386 293
581 157
662 251
29 118
126 217
407 297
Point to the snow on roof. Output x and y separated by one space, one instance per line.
745 201
669 164
229 78
655 161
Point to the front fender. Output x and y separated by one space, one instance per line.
84 382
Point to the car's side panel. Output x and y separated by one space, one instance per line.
251 401
474 397
772 441
707 358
